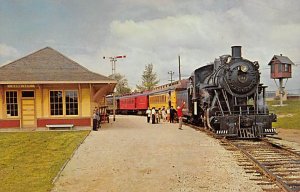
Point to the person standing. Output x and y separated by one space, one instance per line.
163 113
94 121
98 118
172 114
179 114
148 112
159 115
168 114
153 113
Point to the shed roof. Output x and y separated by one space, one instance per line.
282 59
48 66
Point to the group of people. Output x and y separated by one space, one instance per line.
167 115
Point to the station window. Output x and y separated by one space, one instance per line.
12 103
56 103
71 103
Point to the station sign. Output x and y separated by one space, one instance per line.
21 86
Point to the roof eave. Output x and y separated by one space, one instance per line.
57 82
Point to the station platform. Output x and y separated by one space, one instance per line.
130 154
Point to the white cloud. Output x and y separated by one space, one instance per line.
199 38
8 51
158 31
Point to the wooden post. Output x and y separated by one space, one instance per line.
281 91
114 107
179 67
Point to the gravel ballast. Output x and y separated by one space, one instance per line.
132 155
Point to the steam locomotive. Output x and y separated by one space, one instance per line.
227 97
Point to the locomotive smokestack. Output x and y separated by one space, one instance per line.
236 52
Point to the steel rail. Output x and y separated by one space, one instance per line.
264 170
280 147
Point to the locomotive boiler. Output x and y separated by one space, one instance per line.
228 98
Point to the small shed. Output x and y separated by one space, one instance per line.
281 67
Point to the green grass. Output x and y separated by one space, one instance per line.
288 117
29 161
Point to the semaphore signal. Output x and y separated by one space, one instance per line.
113 71
113 62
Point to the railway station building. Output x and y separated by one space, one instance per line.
46 87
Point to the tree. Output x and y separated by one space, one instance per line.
149 79
122 84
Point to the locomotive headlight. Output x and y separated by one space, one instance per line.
244 68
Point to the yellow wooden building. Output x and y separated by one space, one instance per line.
46 87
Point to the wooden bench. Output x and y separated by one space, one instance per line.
60 126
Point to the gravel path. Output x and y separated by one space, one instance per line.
132 155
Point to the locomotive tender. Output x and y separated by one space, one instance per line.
228 98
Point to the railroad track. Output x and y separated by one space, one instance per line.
273 166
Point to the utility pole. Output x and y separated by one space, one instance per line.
113 72
171 73
179 68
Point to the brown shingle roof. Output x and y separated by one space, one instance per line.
282 59
48 65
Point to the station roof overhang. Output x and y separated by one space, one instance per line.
55 82
100 88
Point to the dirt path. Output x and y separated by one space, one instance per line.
131 155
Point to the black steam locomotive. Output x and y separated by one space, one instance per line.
228 98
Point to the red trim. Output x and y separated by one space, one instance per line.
75 122
10 123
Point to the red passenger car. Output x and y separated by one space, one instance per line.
127 103
142 102
133 104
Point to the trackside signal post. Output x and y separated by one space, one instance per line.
281 68
113 72
171 73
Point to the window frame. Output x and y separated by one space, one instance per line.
65 101
8 115
62 102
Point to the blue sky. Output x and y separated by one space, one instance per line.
152 32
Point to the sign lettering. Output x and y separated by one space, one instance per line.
20 86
